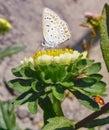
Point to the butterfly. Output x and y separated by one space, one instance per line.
55 30
98 100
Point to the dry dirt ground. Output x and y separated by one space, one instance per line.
26 19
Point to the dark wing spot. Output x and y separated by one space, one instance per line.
47 25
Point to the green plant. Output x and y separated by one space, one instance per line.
5 26
43 79
10 50
104 33
7 116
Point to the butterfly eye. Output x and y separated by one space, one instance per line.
98 100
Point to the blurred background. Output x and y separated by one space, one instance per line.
26 19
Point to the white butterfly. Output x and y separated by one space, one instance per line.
55 30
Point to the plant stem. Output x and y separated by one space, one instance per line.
90 44
92 116
47 107
57 107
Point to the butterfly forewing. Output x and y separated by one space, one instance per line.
55 30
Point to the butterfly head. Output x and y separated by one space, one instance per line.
49 44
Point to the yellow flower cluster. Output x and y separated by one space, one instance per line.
5 23
54 52
56 56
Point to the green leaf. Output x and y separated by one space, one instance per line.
21 85
27 71
35 85
86 101
59 123
98 77
96 89
42 74
84 82
67 84
10 50
55 72
81 63
7 116
56 105
23 98
98 122
16 71
91 128
58 92
33 106
104 34
2 128
31 97
92 69
51 73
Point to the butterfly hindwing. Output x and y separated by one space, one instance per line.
55 30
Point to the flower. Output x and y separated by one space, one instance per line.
92 22
57 70
92 15
27 60
53 65
63 58
57 56
4 25
67 57
45 59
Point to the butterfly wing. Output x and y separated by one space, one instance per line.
55 30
